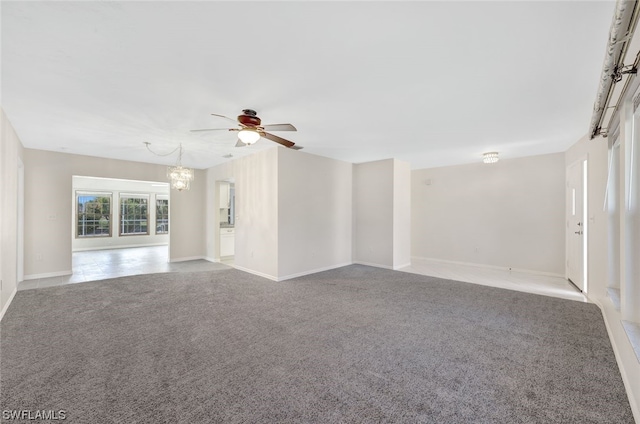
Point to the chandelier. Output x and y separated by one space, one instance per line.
179 176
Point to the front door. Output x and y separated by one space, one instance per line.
576 224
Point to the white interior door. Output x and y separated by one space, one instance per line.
576 224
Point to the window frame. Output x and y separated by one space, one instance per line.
80 193
162 197
124 196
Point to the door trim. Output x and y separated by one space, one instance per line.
584 159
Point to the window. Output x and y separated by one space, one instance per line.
162 215
134 214
93 215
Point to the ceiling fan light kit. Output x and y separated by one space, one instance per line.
250 129
249 136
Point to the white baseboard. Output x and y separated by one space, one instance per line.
635 409
121 246
313 271
393 268
210 259
186 258
6 306
500 268
290 276
259 274
373 264
47 275
396 267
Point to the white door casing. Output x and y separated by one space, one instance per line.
576 224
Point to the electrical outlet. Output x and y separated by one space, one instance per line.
38 257
52 217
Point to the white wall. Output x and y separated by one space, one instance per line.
381 193
314 213
401 214
507 214
115 187
293 212
256 226
11 151
187 220
373 213
48 192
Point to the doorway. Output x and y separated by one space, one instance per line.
226 220
577 224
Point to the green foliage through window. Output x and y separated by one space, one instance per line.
94 215
134 216
162 216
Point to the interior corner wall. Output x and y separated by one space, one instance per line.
49 203
187 211
11 151
314 213
373 195
256 208
401 214
508 214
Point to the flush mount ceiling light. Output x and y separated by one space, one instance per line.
249 136
490 157
179 176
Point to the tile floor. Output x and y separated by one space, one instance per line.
520 281
102 264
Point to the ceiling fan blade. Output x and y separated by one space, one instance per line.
225 117
211 129
240 143
279 127
280 140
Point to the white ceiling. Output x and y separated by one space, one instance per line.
431 83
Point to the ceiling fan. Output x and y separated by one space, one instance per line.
250 130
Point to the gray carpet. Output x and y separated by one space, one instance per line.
352 345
